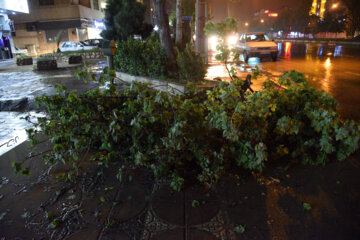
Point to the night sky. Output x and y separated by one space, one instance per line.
244 9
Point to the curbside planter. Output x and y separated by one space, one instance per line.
75 59
161 85
24 61
64 56
47 65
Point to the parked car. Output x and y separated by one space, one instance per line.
70 46
19 51
257 45
94 42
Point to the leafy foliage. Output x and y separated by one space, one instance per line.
147 58
191 65
44 59
201 134
222 30
141 58
125 18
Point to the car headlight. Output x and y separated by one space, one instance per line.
231 40
213 42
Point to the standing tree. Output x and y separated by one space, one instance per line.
302 18
283 22
331 23
179 27
124 18
353 16
162 22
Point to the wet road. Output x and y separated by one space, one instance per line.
332 68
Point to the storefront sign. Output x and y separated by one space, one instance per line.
15 5
99 24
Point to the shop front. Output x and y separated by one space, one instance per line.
7 48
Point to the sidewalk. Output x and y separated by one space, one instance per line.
217 72
7 62
242 206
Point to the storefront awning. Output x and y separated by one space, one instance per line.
63 24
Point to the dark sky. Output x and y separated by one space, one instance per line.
244 9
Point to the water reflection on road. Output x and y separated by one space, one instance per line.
19 83
329 67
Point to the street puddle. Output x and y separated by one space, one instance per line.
12 129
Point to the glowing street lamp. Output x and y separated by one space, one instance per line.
262 20
335 5
246 24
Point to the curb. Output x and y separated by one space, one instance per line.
317 41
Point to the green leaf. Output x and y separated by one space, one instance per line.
239 229
307 206
195 203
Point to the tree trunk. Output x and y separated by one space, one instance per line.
179 27
162 21
199 27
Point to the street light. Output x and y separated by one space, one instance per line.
246 24
335 5
262 20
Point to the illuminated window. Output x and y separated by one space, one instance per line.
96 4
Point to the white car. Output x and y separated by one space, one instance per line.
19 51
257 45
70 46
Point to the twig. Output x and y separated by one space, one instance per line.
21 190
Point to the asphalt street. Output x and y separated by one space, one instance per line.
332 68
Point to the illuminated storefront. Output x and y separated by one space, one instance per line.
318 8
7 27
69 20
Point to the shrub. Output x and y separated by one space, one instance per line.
22 56
141 58
191 65
199 134
43 59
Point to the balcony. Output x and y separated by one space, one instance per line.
58 12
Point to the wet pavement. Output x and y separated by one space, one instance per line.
97 206
242 206
19 85
329 67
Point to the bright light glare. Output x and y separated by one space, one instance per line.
231 41
328 63
213 42
156 28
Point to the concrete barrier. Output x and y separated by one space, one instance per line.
161 85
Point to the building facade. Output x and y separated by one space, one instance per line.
9 7
73 20
320 7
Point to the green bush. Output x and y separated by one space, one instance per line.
22 56
191 65
43 59
141 58
200 134
93 50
